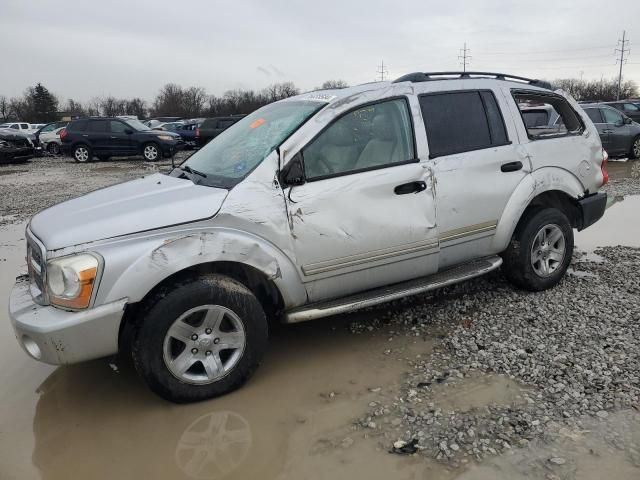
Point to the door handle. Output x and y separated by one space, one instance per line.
607 131
511 166
114 137
85 135
411 187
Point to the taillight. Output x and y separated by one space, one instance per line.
197 132
603 167
62 133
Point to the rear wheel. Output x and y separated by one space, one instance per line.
200 338
635 148
151 152
82 153
53 148
540 250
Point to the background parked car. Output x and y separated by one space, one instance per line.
619 134
48 137
629 108
212 127
14 146
105 137
22 126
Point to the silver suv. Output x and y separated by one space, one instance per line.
312 206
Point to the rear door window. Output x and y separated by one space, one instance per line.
555 106
98 126
459 122
594 114
78 126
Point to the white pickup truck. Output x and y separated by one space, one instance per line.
312 206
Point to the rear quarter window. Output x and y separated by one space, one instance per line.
532 103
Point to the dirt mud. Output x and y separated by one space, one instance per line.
300 416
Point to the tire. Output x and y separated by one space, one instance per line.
82 153
172 361
635 148
53 148
534 265
151 152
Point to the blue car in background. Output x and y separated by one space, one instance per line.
187 130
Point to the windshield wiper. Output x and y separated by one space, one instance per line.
188 169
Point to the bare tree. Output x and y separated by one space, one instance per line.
603 90
4 107
329 84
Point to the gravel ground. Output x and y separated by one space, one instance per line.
576 345
572 352
27 188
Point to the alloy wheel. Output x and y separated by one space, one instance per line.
204 344
81 154
150 152
548 250
636 148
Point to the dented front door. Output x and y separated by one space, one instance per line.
364 230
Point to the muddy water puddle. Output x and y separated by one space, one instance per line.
292 420
620 225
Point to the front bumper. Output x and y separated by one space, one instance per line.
59 337
16 154
592 208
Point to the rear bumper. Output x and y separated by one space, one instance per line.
592 209
59 337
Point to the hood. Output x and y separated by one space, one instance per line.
148 203
158 132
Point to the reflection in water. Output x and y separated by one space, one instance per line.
214 445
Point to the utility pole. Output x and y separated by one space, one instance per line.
464 56
623 49
382 71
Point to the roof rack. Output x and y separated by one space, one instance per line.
430 76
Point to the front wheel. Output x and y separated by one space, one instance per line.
151 152
540 250
199 338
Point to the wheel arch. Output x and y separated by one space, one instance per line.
546 187
263 287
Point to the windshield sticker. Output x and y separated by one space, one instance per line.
257 123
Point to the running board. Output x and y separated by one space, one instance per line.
380 295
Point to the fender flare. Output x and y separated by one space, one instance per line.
542 180
164 255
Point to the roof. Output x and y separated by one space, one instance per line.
331 95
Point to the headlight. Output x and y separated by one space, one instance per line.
70 280
166 137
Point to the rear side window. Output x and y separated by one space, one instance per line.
594 115
562 120
98 126
222 124
78 126
459 122
210 123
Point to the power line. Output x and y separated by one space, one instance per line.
535 52
464 57
623 49
382 71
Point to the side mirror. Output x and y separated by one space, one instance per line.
128 131
293 173
628 121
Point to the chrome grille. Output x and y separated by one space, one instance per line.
36 264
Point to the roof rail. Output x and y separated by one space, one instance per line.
430 76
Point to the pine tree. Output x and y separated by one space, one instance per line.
45 104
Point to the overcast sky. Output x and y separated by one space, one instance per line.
85 48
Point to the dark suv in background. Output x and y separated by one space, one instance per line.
107 137
620 136
212 127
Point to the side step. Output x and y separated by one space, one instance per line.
376 296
